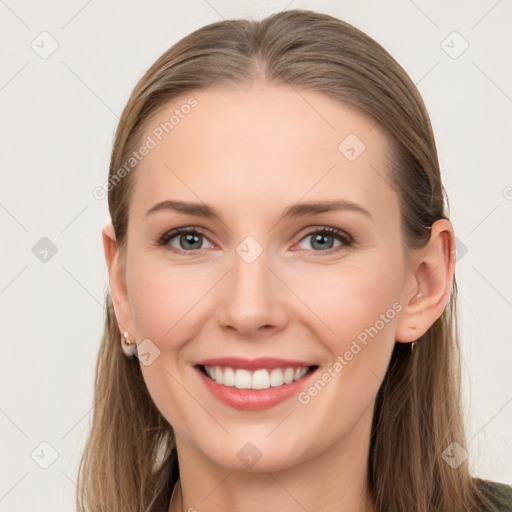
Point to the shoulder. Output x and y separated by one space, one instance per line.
500 494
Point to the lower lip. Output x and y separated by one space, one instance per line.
254 399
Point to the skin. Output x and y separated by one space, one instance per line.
250 153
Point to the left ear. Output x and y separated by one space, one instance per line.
429 283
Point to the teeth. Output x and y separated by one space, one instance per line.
228 378
258 379
276 377
242 379
288 375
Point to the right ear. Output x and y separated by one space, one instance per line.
117 283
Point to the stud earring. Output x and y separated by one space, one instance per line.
128 348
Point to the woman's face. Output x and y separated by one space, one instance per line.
262 278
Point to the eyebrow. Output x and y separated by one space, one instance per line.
296 210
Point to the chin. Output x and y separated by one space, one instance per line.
258 456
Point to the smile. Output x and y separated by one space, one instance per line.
258 379
254 384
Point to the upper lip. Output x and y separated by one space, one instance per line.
251 364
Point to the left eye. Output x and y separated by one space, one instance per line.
323 240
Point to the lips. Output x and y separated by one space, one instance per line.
254 384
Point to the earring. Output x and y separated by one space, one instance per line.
128 348
412 345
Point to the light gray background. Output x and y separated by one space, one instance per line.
58 119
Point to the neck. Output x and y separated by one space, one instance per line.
335 480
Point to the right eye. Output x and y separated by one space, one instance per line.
187 240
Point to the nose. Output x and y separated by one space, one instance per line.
252 298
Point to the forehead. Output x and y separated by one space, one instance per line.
248 149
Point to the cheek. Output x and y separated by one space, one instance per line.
163 297
359 304
350 299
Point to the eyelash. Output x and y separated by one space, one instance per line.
345 238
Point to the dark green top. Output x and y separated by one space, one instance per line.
501 495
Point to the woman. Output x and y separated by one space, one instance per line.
302 352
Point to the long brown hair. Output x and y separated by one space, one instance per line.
130 462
